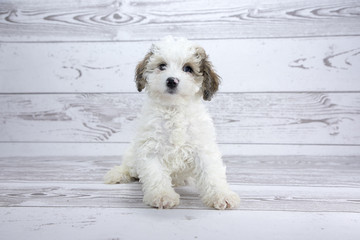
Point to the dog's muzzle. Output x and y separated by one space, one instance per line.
172 83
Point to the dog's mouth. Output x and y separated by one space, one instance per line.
171 91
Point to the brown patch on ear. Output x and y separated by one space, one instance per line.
139 72
211 80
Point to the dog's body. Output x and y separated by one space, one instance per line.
176 137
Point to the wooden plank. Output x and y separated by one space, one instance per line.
41 149
257 118
285 183
106 223
100 20
254 65
254 197
306 171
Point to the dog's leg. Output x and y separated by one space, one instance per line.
125 173
156 184
118 174
210 177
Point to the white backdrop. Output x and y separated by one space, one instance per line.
290 73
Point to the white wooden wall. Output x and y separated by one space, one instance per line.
290 69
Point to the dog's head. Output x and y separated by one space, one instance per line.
179 68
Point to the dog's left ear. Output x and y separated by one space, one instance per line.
139 72
211 80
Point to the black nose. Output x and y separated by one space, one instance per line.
172 82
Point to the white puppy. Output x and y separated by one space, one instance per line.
176 137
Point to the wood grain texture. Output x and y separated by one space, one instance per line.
66 84
134 20
257 65
258 118
264 183
264 198
300 171
114 223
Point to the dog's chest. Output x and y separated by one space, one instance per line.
178 149
175 127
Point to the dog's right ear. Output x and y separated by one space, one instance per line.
139 72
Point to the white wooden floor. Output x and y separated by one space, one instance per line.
287 197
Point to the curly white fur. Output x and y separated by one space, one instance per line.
176 141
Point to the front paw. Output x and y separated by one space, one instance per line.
162 201
221 201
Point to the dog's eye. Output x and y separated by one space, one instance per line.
187 69
162 67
